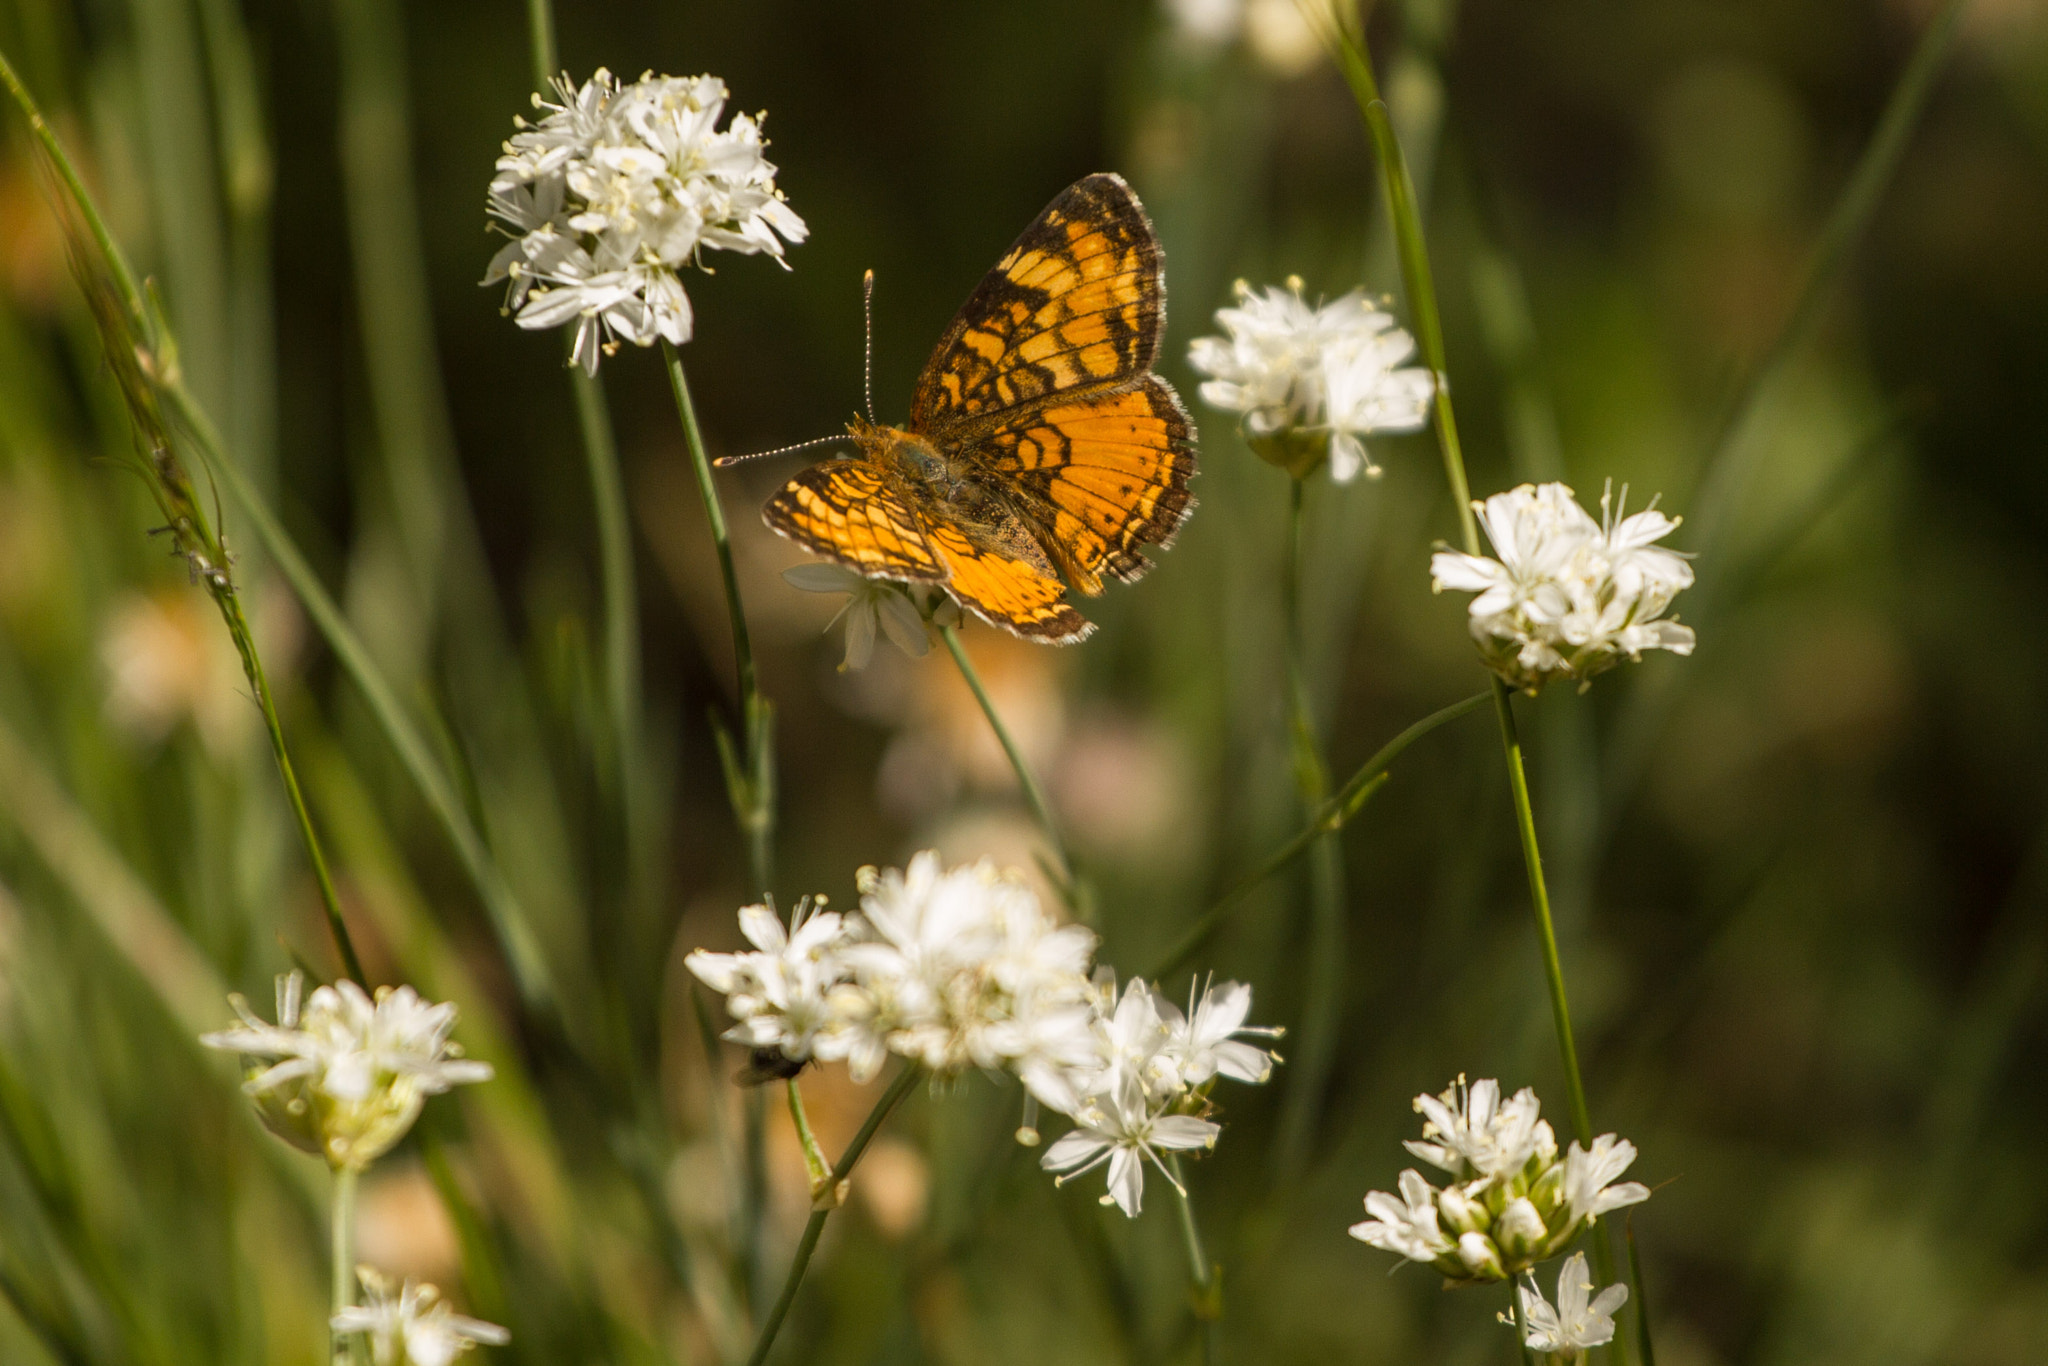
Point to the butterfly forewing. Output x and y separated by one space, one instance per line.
858 513
1077 302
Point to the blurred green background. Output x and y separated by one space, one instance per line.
1802 877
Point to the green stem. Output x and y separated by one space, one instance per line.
540 33
898 1089
621 608
1420 286
1207 1297
341 1349
815 1165
1326 868
750 774
1539 900
1521 1329
1639 1298
252 666
1034 796
1333 815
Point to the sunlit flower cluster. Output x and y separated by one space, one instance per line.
1512 1201
614 191
963 967
409 1325
1312 380
344 1075
1568 596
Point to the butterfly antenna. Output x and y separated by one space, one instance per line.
725 460
867 358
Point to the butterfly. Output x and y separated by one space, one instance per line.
1040 444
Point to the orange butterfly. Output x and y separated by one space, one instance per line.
1039 441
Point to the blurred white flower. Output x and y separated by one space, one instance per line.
614 191
408 1325
1567 597
1588 1178
780 994
346 1076
1408 1226
1513 1202
870 603
1312 380
1124 1128
1577 1322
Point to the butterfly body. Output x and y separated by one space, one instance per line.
1039 442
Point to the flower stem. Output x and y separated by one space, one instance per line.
1034 796
1348 39
1207 1293
621 614
749 773
540 35
341 1349
1326 870
1521 1329
1332 815
898 1089
814 1158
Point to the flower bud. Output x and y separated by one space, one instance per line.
1520 1231
1481 1257
1461 1212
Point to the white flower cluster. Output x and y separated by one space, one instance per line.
962 967
1311 380
408 1325
1568 597
614 191
1511 1202
1578 1322
345 1076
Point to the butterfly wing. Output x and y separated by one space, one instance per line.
1102 474
1005 580
1078 302
858 513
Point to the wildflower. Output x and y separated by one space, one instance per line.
1513 1201
1312 380
1576 1324
346 1076
1124 1128
1568 596
871 603
614 191
412 1327
780 994
1204 1043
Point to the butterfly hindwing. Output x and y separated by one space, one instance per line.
1010 586
859 513
1077 302
1103 474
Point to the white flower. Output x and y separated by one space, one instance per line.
347 1075
871 603
412 1327
1311 381
614 191
782 995
1588 1177
1567 597
1513 1200
1204 1043
1124 1128
1408 1226
1475 1135
1575 1324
